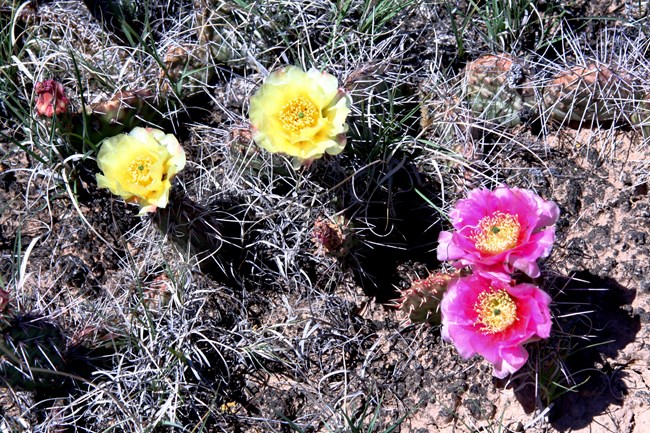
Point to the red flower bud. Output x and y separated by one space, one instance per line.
50 98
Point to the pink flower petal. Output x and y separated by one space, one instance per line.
447 248
510 361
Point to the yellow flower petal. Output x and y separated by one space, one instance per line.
301 114
139 166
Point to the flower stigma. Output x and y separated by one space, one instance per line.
496 311
139 170
496 233
297 114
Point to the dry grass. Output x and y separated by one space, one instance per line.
220 314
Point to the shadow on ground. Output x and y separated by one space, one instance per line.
395 224
577 376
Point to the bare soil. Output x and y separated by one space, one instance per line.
279 354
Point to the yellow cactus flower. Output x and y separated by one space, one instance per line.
300 114
139 166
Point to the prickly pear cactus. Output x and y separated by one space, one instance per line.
113 15
587 94
420 303
498 89
214 235
217 23
187 70
32 351
247 158
122 112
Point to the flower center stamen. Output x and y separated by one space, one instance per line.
139 170
297 114
496 311
496 233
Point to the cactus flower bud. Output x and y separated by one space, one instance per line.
331 236
50 98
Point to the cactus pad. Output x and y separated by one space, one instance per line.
421 301
498 89
587 94
641 116
33 350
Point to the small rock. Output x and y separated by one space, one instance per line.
625 206
445 415
644 316
626 178
645 285
643 210
636 237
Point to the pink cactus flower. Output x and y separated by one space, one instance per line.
500 231
494 319
50 98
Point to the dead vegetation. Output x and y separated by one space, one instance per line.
221 313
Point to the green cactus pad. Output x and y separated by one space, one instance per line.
588 94
33 350
421 301
498 89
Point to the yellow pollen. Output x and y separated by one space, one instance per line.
139 170
496 311
496 233
297 114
